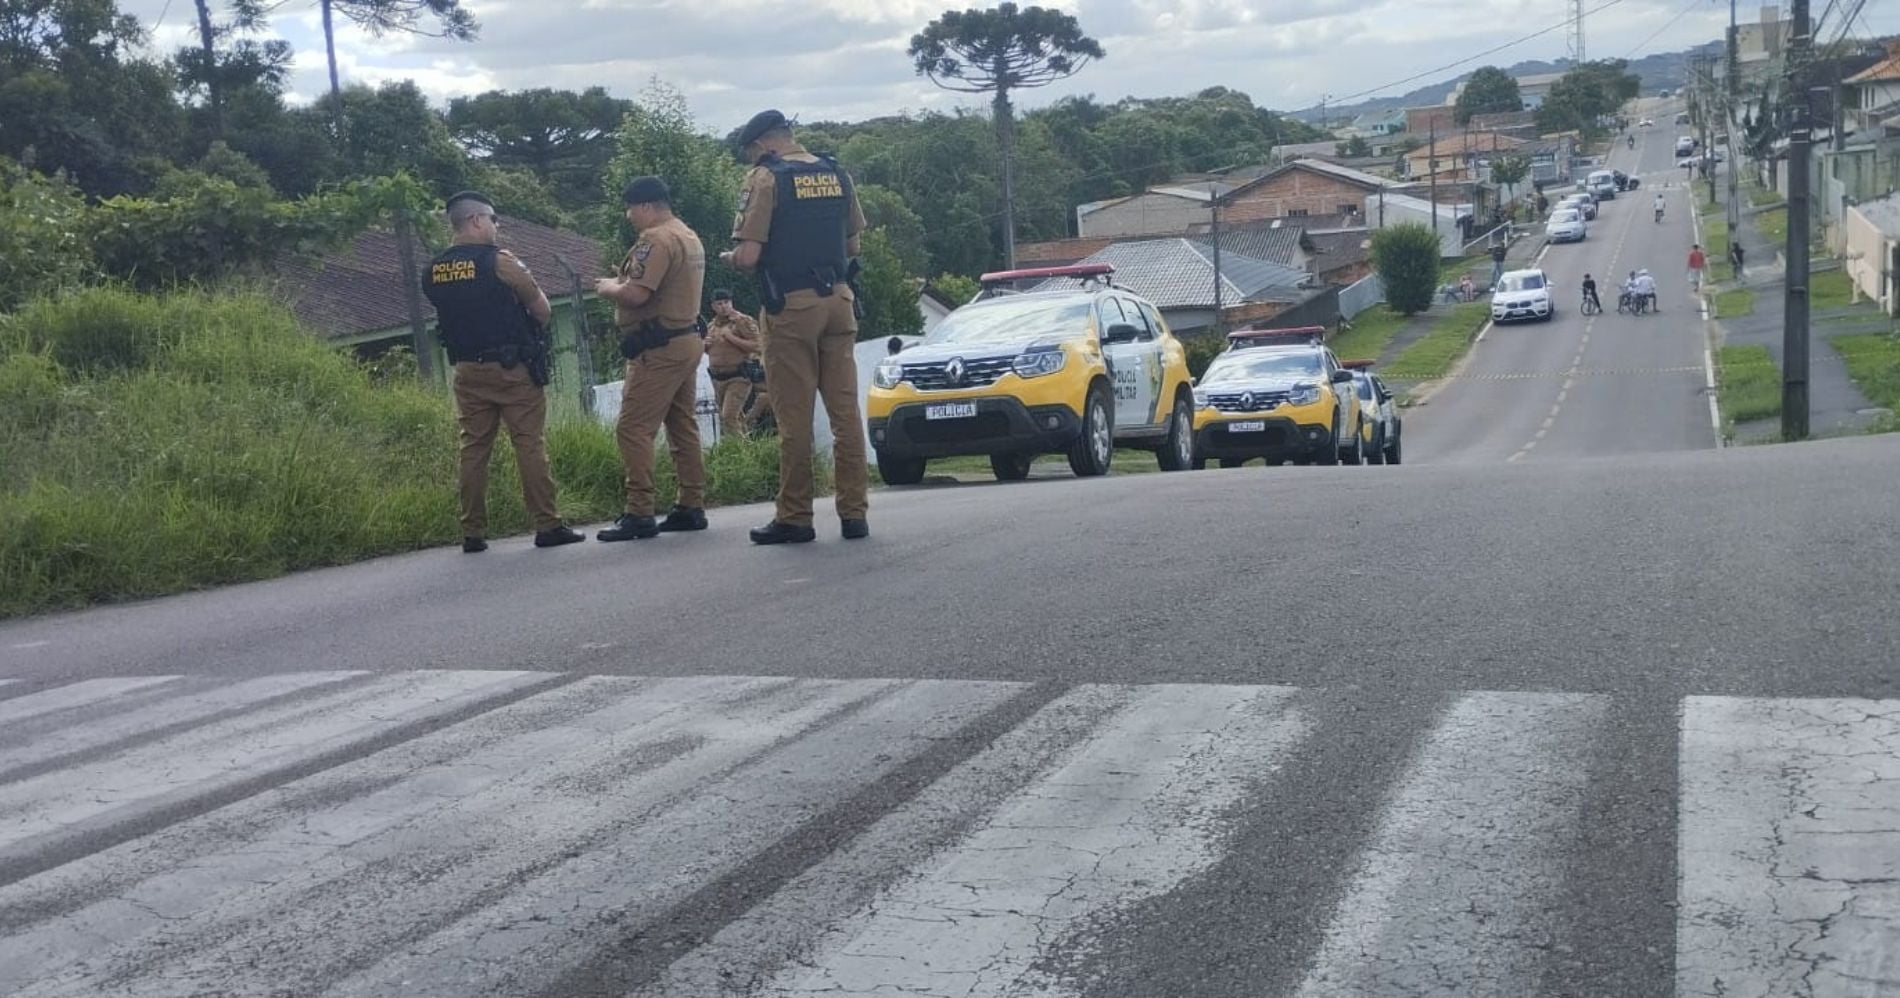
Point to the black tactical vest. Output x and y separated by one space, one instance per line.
811 213
474 310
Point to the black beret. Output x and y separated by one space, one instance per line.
761 123
476 196
722 295
646 190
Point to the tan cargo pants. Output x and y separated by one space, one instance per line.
661 388
732 394
808 352
488 396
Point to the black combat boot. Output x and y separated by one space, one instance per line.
856 530
630 528
684 518
782 533
473 545
554 537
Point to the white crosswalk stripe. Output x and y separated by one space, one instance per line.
513 833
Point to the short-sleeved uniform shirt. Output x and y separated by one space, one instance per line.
759 194
511 271
669 261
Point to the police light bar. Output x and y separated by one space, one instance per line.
1082 270
1289 333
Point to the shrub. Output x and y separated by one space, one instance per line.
1406 257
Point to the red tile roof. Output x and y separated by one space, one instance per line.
358 289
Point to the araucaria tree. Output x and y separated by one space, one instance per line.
998 51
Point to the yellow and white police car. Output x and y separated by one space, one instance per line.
1075 366
1277 394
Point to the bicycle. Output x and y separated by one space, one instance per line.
1590 306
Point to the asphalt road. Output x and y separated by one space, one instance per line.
1574 724
1591 386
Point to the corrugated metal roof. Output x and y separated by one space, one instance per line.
1176 273
1280 245
1882 213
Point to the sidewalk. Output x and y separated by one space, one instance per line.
1837 406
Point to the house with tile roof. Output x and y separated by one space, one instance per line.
356 297
1875 91
1302 189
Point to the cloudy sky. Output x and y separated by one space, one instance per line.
844 59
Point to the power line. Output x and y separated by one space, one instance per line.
1607 4
1691 5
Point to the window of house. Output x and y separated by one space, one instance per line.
1296 213
1348 209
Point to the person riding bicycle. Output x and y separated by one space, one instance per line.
1626 295
1632 140
1644 286
1590 293
1659 206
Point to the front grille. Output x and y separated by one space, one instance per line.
929 376
1262 401
983 426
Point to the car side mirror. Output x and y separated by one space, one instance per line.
1341 377
1121 332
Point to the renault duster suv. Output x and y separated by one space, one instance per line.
1277 394
1074 366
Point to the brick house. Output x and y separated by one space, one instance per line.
1300 189
1464 156
1422 121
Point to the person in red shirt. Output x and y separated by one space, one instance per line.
1697 261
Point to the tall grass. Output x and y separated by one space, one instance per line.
155 444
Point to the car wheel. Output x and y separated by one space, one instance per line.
1232 462
1011 467
900 470
1092 451
1376 455
1392 453
1177 454
1329 454
1355 454
1199 463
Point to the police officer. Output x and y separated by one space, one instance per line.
656 305
732 340
488 311
797 227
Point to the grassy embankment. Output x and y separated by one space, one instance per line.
1441 346
150 445
1748 384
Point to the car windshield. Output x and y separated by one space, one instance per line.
1564 216
1250 365
1521 282
1014 320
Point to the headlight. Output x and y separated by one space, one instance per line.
1037 363
889 374
1200 398
1304 395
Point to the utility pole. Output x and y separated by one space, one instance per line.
1729 126
412 296
1431 171
1213 202
1794 333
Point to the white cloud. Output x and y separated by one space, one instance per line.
844 59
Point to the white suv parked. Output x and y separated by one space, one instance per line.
1522 294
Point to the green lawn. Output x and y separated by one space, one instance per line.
1830 289
1735 303
1873 361
1773 224
1371 331
1478 265
1433 355
1759 196
1715 247
1749 386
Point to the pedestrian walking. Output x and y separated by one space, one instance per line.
488 313
1736 256
1497 261
798 227
1697 261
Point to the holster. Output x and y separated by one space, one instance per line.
650 335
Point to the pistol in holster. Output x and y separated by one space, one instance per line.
851 275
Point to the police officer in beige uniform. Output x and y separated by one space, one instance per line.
798 228
488 309
732 339
656 306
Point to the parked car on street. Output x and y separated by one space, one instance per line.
1522 294
1072 368
1281 395
1601 183
1380 414
1565 226
1583 202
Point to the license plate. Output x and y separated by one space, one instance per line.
1247 426
950 410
